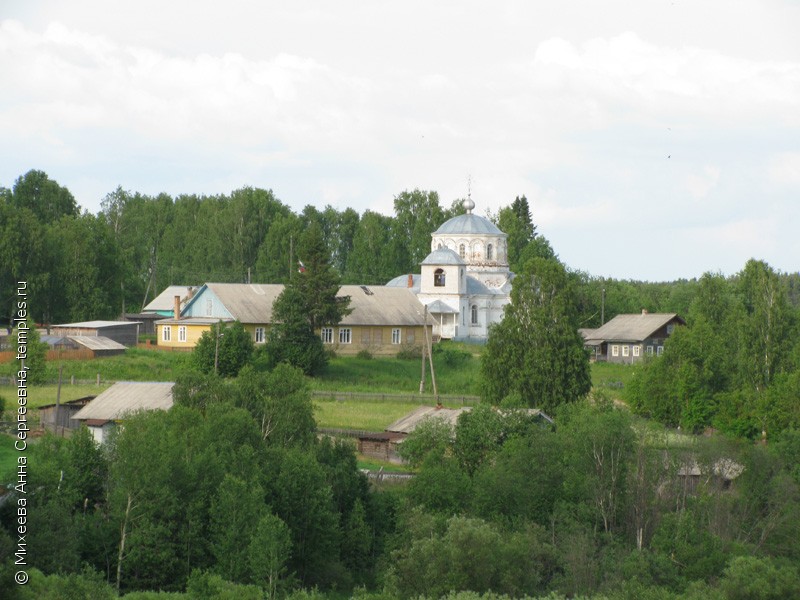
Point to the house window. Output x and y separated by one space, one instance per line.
636 350
626 350
438 278
345 335
614 350
489 250
474 314
660 350
649 351
327 335
396 337
166 333
410 338
462 251
259 336
181 334
670 328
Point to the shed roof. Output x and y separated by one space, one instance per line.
409 423
127 396
94 324
97 342
632 328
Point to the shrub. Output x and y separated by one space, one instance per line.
364 355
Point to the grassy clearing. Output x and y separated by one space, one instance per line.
374 464
393 375
612 378
369 416
41 395
136 364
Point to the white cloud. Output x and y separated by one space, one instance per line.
700 184
784 169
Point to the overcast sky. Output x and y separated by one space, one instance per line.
654 140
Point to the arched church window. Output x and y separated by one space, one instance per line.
474 314
462 251
439 247
438 278
489 250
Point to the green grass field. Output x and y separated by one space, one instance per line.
41 395
136 364
393 375
369 416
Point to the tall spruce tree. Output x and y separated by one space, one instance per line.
308 302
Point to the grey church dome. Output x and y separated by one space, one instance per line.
468 223
443 256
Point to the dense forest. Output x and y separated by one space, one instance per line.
231 494
83 266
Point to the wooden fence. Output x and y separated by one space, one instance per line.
65 354
447 399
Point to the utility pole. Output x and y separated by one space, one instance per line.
424 348
216 350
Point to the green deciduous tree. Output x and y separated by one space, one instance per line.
268 552
223 349
536 350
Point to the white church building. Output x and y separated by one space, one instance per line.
465 281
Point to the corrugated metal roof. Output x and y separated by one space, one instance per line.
632 328
166 299
128 396
409 423
97 342
380 305
192 321
439 307
372 305
247 302
93 324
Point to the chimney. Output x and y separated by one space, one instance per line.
190 293
410 280
177 309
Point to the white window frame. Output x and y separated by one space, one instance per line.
397 336
670 328
474 314
614 350
649 351
326 333
182 333
660 350
166 333
626 350
345 335
259 335
637 351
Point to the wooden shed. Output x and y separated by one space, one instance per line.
59 418
122 332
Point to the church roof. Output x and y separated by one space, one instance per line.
443 256
469 224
